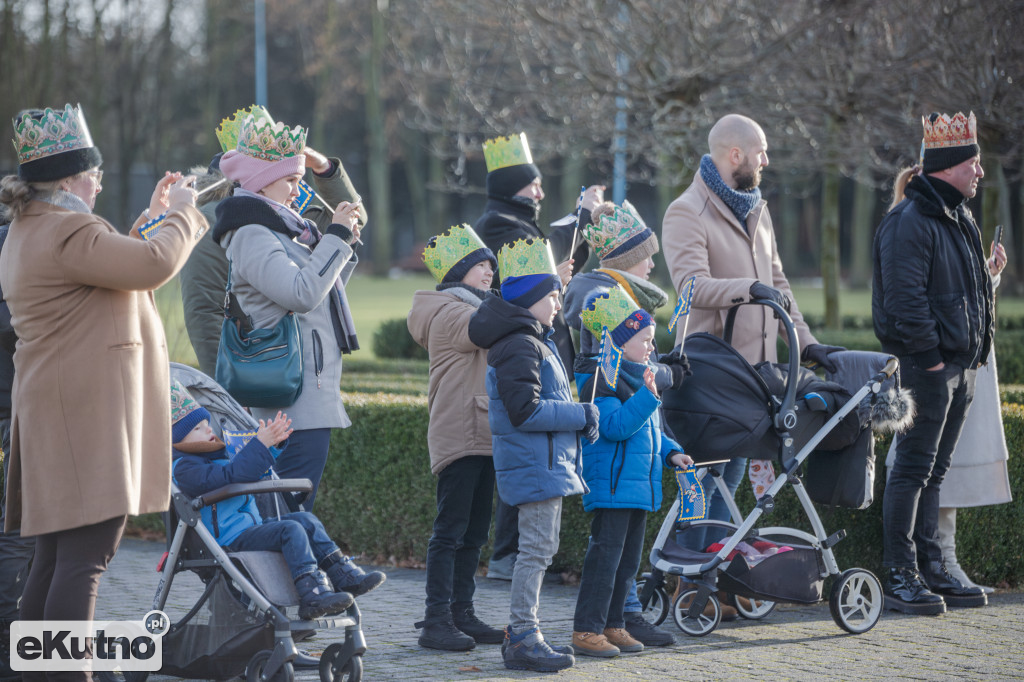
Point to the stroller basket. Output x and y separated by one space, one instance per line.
794 576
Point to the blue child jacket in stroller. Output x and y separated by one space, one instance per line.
196 474
623 467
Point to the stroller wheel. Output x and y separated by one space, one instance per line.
256 670
856 600
656 610
334 669
704 622
751 609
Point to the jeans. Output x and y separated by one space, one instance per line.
15 551
305 457
539 525
465 490
300 537
910 507
506 531
65 578
732 472
611 563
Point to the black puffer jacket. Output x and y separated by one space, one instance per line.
507 220
932 293
7 342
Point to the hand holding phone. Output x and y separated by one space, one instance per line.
999 235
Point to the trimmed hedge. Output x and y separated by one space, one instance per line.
392 340
377 497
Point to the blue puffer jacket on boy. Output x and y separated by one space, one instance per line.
623 467
533 417
195 474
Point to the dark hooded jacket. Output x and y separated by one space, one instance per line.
507 219
931 298
533 418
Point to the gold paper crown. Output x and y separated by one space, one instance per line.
614 230
228 130
526 257
444 251
608 309
958 131
512 150
263 139
57 132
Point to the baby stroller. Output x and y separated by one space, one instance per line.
240 624
786 414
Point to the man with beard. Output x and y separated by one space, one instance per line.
719 232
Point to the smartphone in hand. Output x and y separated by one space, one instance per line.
999 235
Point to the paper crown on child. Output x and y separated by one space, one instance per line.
260 138
229 128
621 239
617 311
526 257
53 143
455 251
510 150
186 413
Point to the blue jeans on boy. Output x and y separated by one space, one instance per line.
611 563
300 537
910 507
539 525
465 490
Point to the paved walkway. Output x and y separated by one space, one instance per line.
793 643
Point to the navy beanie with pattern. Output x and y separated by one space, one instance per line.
628 328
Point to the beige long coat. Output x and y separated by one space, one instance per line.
702 237
456 395
91 432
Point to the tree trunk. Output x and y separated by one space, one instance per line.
830 246
861 233
378 161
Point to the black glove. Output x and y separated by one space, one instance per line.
678 365
763 291
817 353
590 431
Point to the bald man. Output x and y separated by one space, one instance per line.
719 231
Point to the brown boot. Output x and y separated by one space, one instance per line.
593 644
729 612
623 640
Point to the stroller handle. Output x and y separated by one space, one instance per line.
890 368
785 417
269 485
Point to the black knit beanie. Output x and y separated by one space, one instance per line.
503 183
940 158
459 270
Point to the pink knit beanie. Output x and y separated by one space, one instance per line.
255 174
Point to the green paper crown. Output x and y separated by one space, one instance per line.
265 140
526 257
182 402
512 150
609 310
611 231
444 251
228 130
58 132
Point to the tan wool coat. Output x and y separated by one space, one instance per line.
91 431
702 237
457 395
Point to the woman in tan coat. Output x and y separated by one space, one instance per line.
90 441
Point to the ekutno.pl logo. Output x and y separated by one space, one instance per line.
72 645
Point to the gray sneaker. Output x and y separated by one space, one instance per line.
501 569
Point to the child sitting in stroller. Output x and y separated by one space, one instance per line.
325 579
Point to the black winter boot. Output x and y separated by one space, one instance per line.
906 592
316 598
346 576
439 632
955 593
465 620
